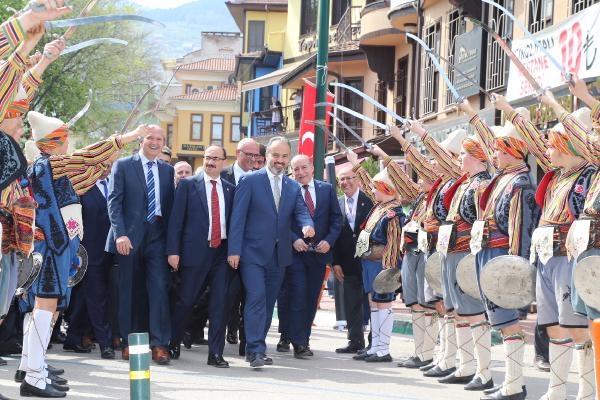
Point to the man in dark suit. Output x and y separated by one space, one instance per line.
266 205
304 278
347 269
91 301
197 248
245 154
139 205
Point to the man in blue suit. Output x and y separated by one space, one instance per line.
304 278
266 205
90 301
139 205
197 248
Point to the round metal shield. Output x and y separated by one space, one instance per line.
78 267
466 276
387 281
509 281
433 271
27 270
586 277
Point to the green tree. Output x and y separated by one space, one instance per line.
116 74
6 10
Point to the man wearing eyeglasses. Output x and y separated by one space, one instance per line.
247 151
197 248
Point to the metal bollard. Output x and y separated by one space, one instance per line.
139 366
596 343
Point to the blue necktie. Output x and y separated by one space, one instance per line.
151 211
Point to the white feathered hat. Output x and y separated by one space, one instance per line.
31 151
509 130
42 126
584 116
453 143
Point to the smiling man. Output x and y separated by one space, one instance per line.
139 205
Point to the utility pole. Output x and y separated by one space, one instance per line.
322 53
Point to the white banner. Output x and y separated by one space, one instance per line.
575 43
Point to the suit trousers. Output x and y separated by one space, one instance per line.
303 281
218 273
353 304
262 284
149 261
89 304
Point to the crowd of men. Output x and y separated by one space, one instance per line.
227 243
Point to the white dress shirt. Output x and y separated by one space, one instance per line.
100 186
272 183
351 211
208 185
238 172
311 190
145 161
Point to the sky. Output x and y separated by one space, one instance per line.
161 3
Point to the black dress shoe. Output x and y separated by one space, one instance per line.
77 348
497 395
107 354
361 355
375 358
60 388
309 352
283 346
59 380
256 360
175 350
53 370
58 338
301 352
28 390
414 363
266 359
453 379
427 367
19 376
217 361
477 385
437 372
187 340
350 349
232 338
498 387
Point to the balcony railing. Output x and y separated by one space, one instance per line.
263 126
343 35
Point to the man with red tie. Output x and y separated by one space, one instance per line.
197 248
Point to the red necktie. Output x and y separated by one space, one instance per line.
215 232
309 201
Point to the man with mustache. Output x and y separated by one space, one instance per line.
197 248
266 205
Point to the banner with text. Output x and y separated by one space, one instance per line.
575 43
306 135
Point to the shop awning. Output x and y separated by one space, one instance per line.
270 79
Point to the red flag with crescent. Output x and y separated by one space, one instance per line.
306 135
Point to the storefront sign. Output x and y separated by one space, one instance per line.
192 147
467 59
575 43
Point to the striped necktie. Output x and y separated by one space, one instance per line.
151 210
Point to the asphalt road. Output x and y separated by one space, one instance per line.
327 376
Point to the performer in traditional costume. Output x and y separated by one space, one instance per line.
423 313
57 181
379 247
507 217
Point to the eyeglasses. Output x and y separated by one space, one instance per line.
249 155
209 158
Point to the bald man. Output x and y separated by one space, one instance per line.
182 170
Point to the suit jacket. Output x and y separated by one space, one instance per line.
345 246
257 227
327 219
228 175
96 224
189 223
128 199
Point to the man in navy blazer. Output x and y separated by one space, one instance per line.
266 205
304 278
139 206
197 248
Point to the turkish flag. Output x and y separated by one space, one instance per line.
306 135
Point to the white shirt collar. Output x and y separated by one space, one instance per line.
354 196
207 179
311 184
144 159
271 175
239 171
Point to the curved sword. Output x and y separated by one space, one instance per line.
326 129
93 42
99 19
135 108
86 11
370 100
530 36
84 110
436 63
352 131
354 114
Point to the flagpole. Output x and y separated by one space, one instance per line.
322 53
